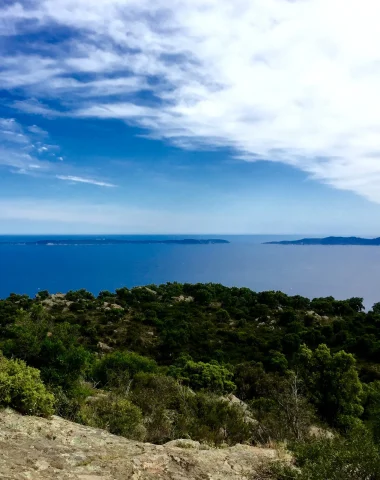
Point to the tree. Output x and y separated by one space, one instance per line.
282 409
372 408
222 316
211 376
333 384
323 305
118 368
53 349
376 308
356 303
42 295
78 295
278 361
300 303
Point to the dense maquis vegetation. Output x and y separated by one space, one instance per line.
215 364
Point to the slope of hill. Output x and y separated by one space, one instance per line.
220 366
56 449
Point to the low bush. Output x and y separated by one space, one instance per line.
215 421
21 388
68 403
115 414
354 457
205 376
116 369
164 403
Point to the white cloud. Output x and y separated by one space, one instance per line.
33 106
23 152
35 129
289 81
71 178
16 148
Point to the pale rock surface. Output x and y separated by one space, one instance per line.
55 449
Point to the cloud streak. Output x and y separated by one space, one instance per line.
287 81
23 151
74 179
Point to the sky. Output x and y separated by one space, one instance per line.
190 116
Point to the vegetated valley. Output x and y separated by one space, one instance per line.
205 362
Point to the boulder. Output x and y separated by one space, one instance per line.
104 347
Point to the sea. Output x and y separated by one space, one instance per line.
311 271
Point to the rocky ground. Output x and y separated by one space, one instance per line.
41 449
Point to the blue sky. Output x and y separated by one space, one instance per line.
190 116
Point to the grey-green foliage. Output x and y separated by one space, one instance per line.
282 410
174 411
22 389
354 457
115 414
216 421
165 406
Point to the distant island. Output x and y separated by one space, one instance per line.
329 241
111 241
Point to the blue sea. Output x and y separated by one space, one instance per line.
311 271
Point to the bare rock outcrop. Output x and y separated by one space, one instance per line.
46 449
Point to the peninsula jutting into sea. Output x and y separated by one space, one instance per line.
112 241
329 241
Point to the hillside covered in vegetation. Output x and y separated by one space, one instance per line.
214 364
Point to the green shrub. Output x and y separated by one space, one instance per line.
165 406
115 414
205 376
173 411
22 389
117 368
52 348
352 458
68 402
215 420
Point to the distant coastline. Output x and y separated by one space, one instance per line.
110 241
329 241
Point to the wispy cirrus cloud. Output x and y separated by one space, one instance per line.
25 151
33 106
17 150
277 80
36 130
74 179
